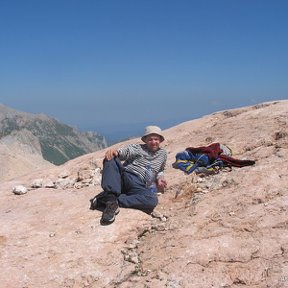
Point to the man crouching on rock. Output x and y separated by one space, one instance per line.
133 184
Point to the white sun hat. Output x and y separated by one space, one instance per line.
152 130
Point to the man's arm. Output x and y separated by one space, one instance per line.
161 182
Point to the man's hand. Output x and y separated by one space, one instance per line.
161 183
110 154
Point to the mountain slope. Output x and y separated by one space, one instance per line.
43 137
223 230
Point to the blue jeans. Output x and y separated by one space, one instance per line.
130 190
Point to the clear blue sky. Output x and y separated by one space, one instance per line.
114 66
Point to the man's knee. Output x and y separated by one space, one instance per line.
113 164
151 202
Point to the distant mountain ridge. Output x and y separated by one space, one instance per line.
40 134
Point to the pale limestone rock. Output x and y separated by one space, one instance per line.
87 177
20 190
48 183
85 174
65 183
64 174
37 183
97 176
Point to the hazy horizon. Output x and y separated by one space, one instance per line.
117 133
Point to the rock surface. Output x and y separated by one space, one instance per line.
223 230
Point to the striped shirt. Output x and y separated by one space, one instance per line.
139 160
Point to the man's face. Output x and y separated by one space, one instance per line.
153 142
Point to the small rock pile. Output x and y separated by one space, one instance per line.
85 177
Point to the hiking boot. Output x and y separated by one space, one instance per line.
110 212
97 203
94 203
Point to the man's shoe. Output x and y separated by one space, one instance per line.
99 202
93 203
110 212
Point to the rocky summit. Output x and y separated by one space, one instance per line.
228 229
